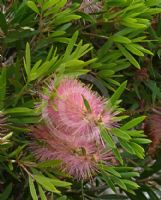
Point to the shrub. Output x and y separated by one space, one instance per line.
77 80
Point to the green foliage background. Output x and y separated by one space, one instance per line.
120 47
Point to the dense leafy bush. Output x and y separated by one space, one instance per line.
111 45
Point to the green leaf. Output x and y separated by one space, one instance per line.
136 133
111 170
71 45
130 184
118 93
60 183
153 2
39 70
129 174
142 140
41 192
108 181
133 123
118 156
75 64
121 134
123 169
32 5
133 49
49 164
61 19
119 182
25 119
57 33
86 103
20 110
154 11
3 23
50 183
139 151
46 183
32 189
50 53
120 39
107 138
105 73
6 193
129 57
139 39
127 147
36 66
133 23
27 62
48 4
17 151
141 48
156 92
55 9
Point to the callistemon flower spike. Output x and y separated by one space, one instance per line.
91 6
88 6
79 157
77 110
152 128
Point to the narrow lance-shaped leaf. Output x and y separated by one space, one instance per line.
70 46
108 180
129 174
107 138
133 49
27 61
118 156
48 4
121 134
139 151
129 57
118 93
6 193
120 39
42 193
86 103
131 184
32 5
46 183
32 189
21 110
127 146
3 23
133 123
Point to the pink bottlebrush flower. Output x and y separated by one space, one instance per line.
78 156
91 6
77 111
88 6
152 127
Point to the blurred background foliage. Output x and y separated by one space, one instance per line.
118 41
